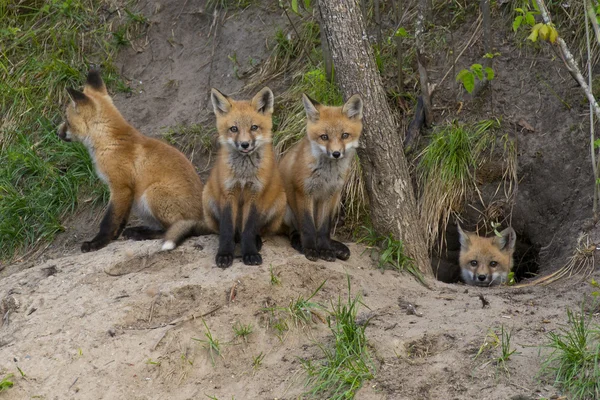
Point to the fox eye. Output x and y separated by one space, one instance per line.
493 264
233 129
345 135
473 263
254 127
324 137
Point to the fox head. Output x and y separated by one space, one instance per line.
333 131
244 125
86 109
486 261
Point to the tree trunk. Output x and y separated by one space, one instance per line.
391 196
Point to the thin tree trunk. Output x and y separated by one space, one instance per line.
399 49
423 78
393 204
327 61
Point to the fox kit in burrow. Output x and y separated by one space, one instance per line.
243 198
486 261
143 174
314 172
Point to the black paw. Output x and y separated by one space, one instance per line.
327 255
224 260
259 243
92 246
311 254
341 250
131 234
296 241
252 259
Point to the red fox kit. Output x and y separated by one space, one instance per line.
243 198
486 261
143 174
314 172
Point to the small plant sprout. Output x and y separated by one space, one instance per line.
257 361
6 382
275 280
467 76
505 337
210 344
151 362
491 341
302 310
242 331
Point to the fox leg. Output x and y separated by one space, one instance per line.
308 234
143 233
113 222
227 218
340 249
324 247
250 233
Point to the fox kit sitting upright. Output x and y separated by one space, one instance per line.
314 172
145 174
243 198
486 261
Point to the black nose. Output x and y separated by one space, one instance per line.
245 145
482 277
336 154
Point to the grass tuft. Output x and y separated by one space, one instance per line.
347 365
574 362
242 331
211 344
46 47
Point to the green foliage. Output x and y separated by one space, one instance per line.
300 310
467 76
211 344
574 361
347 365
525 15
543 31
6 383
42 177
257 361
505 348
275 280
242 331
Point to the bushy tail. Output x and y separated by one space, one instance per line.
182 230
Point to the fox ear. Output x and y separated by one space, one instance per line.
78 98
221 103
310 106
465 242
94 80
354 107
507 240
263 101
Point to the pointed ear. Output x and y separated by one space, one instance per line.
221 103
354 107
263 101
78 98
94 81
507 240
465 242
310 106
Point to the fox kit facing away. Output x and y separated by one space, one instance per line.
145 174
486 261
243 198
314 172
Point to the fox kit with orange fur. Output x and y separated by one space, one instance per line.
243 198
314 172
143 174
486 261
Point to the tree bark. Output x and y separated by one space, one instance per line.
392 201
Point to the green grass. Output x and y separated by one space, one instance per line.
347 364
390 251
242 331
274 276
6 382
506 350
46 47
212 345
574 361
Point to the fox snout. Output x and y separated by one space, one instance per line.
63 132
245 147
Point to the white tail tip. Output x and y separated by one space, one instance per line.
168 245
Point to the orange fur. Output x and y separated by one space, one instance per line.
314 172
144 174
244 180
486 261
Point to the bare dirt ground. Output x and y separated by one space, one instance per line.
120 323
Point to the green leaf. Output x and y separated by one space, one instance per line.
594 283
596 143
401 32
490 73
536 6
533 36
307 4
295 6
477 70
520 10
517 22
530 19
467 78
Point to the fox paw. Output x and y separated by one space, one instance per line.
92 246
252 259
224 260
311 254
259 243
327 255
296 241
341 250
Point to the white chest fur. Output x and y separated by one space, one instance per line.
244 170
328 175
